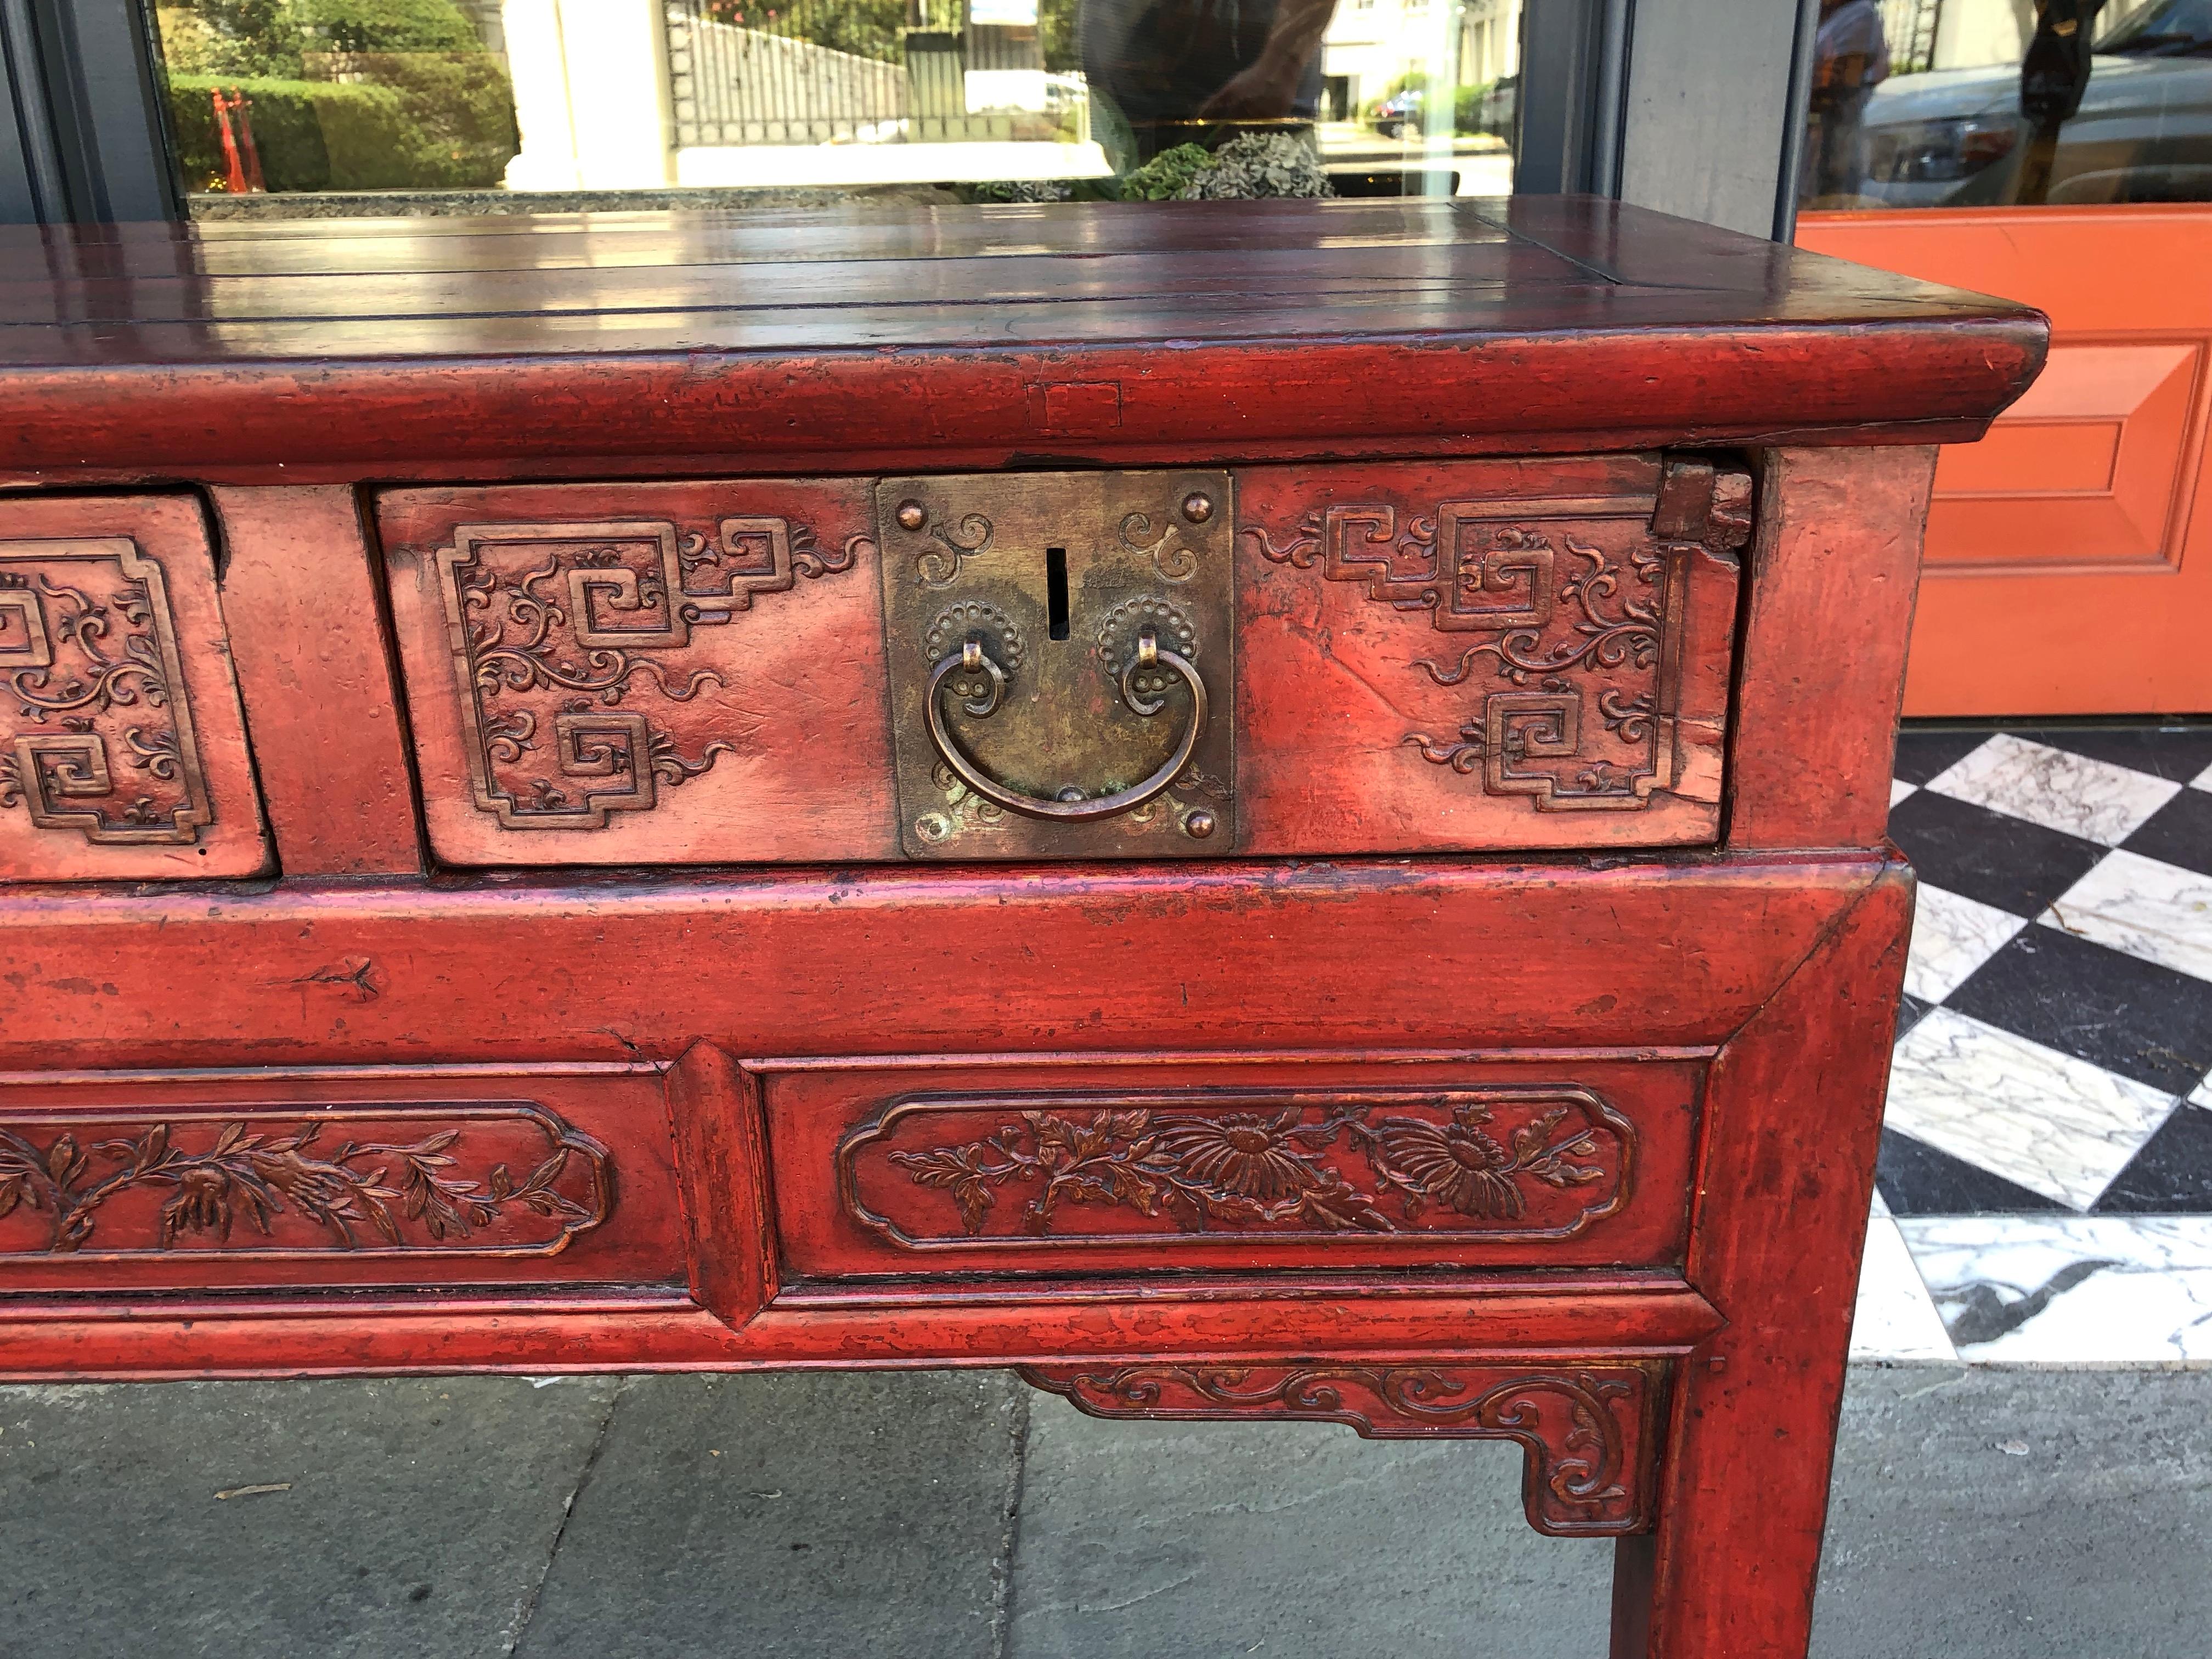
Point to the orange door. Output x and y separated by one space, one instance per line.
2069 552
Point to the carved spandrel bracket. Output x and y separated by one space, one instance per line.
1590 1432
98 728
556 631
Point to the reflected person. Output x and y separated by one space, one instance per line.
1205 60
2054 73
1851 58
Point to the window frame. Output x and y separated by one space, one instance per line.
83 128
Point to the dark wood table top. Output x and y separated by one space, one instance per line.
845 339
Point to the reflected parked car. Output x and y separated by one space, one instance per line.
2143 133
1498 107
1398 115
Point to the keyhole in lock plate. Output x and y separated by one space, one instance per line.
1055 591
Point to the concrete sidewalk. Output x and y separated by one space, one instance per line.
1980 1514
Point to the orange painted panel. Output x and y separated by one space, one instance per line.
2069 552
2033 458
2090 475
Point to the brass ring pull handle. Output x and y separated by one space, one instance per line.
970 659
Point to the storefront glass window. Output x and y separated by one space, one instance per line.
1986 103
337 106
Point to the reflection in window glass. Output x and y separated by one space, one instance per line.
300 105
1981 103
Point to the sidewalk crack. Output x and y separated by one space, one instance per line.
528 1611
1002 1568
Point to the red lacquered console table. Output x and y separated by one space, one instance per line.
1260 810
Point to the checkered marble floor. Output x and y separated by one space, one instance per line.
2045 1187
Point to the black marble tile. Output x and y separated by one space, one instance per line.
1911 1011
2179 832
1922 753
2116 1010
2176 752
2009 862
1916 1179
2173 1173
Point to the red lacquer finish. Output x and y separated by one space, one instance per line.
340 793
937 341
1499 1054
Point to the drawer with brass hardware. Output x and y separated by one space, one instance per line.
123 752
1097 1166
1176 663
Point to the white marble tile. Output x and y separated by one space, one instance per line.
2156 911
1952 936
2092 798
1896 1318
2203 1095
2055 1124
2203 779
2070 1289
1881 1206
1899 789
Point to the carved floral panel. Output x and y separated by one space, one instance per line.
1535 1162
509 1179
96 735
1590 1432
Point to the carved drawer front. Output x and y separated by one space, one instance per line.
1106 1166
1485 655
467 1175
1283 660
123 752
649 673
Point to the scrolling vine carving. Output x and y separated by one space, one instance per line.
1586 1430
1540 1162
291 1192
89 659
548 625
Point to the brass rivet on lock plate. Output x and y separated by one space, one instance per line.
1198 824
910 516
1198 507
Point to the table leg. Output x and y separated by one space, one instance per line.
1793 1125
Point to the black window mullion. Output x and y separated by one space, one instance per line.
87 139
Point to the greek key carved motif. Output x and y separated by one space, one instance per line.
1584 638
555 628
92 683
1469 572
1587 1430
1536 1161
503 1180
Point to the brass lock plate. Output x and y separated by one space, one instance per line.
1063 663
